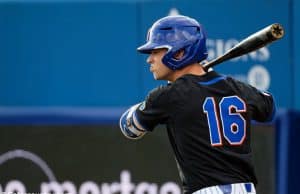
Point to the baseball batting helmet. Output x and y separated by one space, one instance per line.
177 33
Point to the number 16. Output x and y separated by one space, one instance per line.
232 122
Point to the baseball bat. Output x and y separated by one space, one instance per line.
251 43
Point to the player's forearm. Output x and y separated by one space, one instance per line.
129 124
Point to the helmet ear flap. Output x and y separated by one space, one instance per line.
169 59
193 51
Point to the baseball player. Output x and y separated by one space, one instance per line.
207 115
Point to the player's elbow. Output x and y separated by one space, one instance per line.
128 127
271 106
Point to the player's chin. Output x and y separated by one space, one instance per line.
160 76
157 77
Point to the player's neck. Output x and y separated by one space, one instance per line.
194 69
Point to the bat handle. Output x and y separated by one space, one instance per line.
213 62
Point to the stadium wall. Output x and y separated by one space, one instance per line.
70 68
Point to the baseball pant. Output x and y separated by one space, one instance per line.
237 188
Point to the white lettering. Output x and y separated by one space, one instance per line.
217 47
210 49
170 187
259 77
125 182
89 187
115 187
66 187
105 188
15 186
145 187
124 186
69 187
52 187
262 54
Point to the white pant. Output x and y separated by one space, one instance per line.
237 188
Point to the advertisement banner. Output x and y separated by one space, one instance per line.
100 160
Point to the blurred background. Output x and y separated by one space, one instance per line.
69 68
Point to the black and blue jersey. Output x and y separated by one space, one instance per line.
208 119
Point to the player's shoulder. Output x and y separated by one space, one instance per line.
159 93
159 90
165 93
238 84
247 90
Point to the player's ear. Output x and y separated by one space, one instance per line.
179 54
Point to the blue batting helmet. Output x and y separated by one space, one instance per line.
177 33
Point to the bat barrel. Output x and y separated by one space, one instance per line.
253 42
277 31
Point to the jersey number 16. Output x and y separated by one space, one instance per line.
232 122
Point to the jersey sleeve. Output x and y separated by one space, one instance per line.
261 103
154 110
